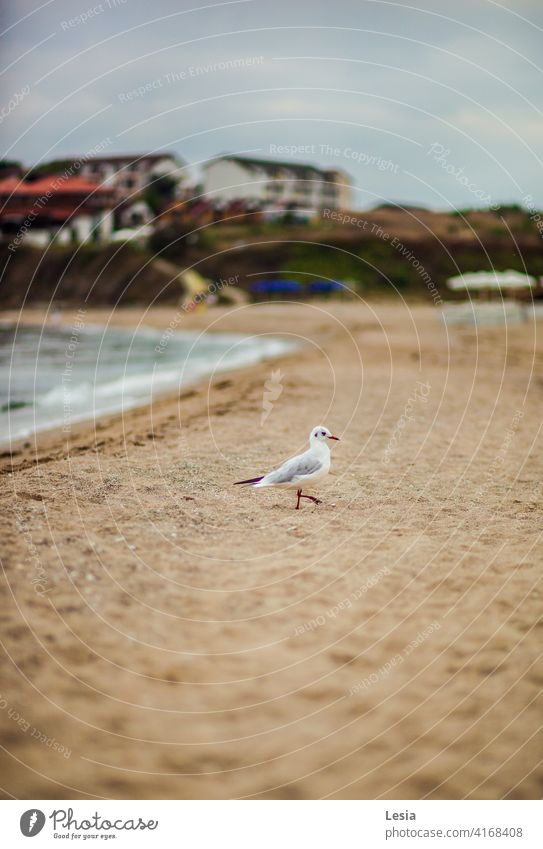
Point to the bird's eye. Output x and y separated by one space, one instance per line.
323 433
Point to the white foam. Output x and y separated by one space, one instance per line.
79 395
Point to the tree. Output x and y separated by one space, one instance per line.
160 192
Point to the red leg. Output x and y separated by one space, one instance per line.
310 498
299 493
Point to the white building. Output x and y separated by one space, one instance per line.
55 208
131 173
269 183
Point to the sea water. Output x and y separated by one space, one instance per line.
55 376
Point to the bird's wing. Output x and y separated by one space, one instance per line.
295 468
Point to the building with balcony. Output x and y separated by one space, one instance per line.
55 208
270 183
130 174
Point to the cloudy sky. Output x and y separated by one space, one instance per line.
423 102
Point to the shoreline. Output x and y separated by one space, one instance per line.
189 636
55 442
76 323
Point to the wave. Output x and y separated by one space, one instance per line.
104 380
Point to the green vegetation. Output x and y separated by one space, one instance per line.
9 163
160 193
56 166
509 209
392 255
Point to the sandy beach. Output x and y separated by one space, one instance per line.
168 635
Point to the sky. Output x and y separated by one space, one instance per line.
436 104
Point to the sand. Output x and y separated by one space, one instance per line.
168 635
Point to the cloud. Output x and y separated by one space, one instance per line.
377 77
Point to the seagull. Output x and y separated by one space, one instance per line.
309 467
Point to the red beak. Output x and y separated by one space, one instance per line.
335 437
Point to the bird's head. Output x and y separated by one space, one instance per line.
321 434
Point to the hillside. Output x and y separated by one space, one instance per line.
386 251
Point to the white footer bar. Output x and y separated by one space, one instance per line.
273 824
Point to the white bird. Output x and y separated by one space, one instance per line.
309 467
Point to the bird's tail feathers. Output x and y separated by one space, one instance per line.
251 480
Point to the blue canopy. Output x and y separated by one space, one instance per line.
324 287
267 287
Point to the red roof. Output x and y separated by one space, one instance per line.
52 183
52 198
